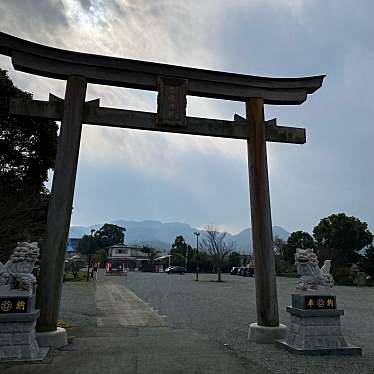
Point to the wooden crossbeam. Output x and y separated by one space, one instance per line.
279 134
60 64
120 118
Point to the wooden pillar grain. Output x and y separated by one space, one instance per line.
266 289
60 205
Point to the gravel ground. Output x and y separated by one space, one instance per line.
78 305
223 311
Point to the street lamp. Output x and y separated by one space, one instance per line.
89 255
197 254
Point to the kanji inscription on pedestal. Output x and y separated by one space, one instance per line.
13 305
320 302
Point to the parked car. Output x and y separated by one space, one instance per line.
175 269
242 271
234 270
246 272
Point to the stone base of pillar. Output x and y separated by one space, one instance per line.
52 339
266 335
17 337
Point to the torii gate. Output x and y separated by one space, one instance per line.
173 84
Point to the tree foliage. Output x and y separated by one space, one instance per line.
178 252
27 145
101 256
152 254
278 245
340 237
87 245
298 239
281 265
234 259
73 265
179 246
27 152
368 261
205 262
109 234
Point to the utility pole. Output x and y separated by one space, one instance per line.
197 254
185 266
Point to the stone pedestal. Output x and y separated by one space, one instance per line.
52 339
265 334
315 327
17 329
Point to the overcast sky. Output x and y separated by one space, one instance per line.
136 175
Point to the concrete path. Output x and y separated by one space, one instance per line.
117 306
131 338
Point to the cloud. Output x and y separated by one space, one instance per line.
41 18
332 172
120 190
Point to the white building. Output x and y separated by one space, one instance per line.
129 257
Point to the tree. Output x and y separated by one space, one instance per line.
234 259
27 145
339 238
278 245
152 253
100 256
178 252
193 260
73 265
88 246
109 234
217 247
298 239
27 151
179 246
368 261
205 262
281 265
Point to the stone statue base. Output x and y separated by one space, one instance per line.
315 326
17 328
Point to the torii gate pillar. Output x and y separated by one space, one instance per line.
267 328
59 212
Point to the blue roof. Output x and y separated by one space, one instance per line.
69 247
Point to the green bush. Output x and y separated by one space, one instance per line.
343 276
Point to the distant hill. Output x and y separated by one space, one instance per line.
162 235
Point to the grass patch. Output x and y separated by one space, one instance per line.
69 329
81 277
64 324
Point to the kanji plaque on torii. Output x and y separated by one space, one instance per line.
174 84
171 102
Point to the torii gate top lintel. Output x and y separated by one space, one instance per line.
60 64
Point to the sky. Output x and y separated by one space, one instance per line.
139 175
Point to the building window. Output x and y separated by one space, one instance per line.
121 251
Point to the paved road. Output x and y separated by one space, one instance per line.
159 323
223 312
130 338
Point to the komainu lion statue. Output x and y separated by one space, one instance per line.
311 276
17 272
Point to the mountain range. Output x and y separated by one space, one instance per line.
161 235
